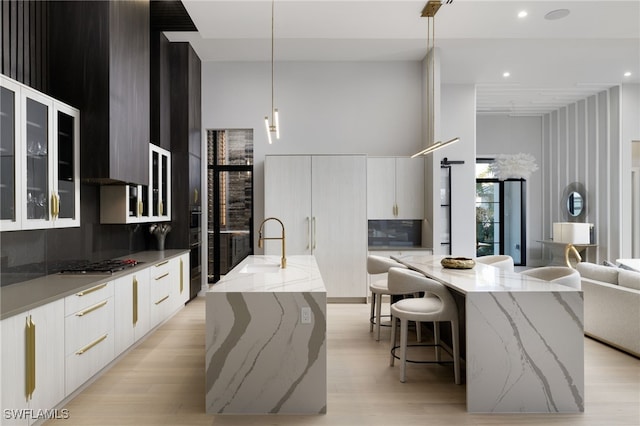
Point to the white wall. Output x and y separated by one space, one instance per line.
503 134
630 152
370 108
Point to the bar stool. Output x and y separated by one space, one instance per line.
502 261
437 305
379 265
556 274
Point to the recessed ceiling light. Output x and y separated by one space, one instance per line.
557 14
506 74
522 14
627 74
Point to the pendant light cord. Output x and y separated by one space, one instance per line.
273 5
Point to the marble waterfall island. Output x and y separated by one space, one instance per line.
266 347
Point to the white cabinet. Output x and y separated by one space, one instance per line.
32 361
160 292
39 150
88 328
181 286
321 200
132 306
395 188
140 203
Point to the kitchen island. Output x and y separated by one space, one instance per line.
524 338
266 349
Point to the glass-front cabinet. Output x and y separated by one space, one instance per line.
140 203
40 152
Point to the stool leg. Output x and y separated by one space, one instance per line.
373 305
455 336
378 315
404 326
393 340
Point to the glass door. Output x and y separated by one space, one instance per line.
37 110
66 196
160 169
9 164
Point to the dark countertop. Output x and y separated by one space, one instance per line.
21 297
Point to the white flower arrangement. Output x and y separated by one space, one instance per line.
516 166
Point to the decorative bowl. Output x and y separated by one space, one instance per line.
458 263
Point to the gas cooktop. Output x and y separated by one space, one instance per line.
101 267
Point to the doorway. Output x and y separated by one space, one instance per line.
500 215
230 199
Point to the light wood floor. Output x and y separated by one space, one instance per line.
161 382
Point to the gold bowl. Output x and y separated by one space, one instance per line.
458 263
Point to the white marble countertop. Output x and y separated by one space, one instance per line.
263 274
20 297
482 278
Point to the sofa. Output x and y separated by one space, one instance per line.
611 305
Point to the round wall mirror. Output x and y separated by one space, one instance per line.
574 202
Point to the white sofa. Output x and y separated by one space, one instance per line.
611 305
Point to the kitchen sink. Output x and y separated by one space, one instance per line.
260 268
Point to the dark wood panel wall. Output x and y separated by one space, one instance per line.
25 42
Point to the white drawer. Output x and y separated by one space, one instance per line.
88 297
86 325
79 367
160 270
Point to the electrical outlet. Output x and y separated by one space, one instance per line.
305 315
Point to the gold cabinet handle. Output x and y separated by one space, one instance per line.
30 358
91 290
92 308
53 206
161 276
161 208
140 208
161 263
91 345
181 277
57 206
162 300
135 301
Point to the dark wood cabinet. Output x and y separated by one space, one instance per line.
100 62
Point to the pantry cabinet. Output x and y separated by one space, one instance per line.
321 200
395 188
32 361
39 152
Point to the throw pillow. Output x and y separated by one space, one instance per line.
607 263
629 279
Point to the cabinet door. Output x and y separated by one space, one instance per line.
183 285
37 191
66 159
10 164
125 303
409 188
340 216
287 185
381 189
160 169
32 373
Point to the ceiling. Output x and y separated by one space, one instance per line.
551 62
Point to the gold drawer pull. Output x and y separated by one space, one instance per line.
135 301
91 345
161 263
181 276
161 276
162 300
92 308
91 290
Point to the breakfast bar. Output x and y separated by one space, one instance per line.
266 349
524 338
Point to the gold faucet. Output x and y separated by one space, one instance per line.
283 260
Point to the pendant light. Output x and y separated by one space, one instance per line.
273 127
429 11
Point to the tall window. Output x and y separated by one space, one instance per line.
500 214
